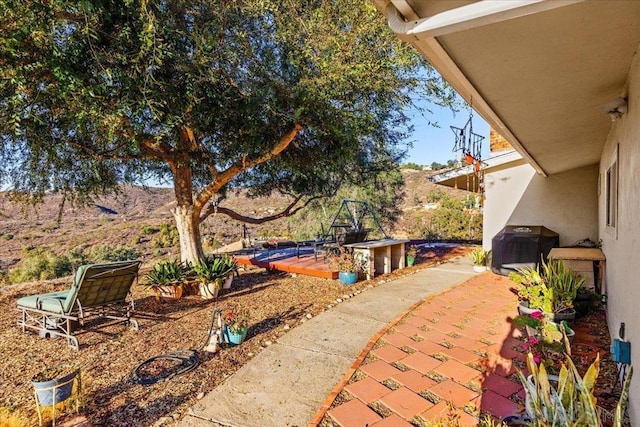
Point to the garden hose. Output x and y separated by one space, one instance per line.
183 360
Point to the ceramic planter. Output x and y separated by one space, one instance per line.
168 292
347 278
523 308
56 390
410 260
210 290
569 315
227 282
479 268
233 338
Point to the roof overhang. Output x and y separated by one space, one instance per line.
539 71
466 178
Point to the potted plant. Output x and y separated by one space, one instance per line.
235 326
167 279
348 264
55 385
546 340
410 254
480 259
212 272
232 265
551 290
566 399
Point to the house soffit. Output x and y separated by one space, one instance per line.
544 77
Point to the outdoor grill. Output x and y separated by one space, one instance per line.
521 246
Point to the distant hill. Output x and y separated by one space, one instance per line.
134 218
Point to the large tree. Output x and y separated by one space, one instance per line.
271 95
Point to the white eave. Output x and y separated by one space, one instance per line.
539 71
465 178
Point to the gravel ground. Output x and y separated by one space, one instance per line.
276 302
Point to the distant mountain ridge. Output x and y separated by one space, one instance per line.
125 220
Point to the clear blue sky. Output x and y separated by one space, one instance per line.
435 144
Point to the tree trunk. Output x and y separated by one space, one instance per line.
188 225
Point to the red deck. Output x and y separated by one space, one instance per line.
287 260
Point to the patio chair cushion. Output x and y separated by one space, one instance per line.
53 302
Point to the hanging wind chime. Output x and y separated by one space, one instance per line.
469 144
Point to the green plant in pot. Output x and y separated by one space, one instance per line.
410 255
167 279
236 325
480 258
550 289
212 272
566 399
546 340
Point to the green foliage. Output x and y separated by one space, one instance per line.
214 268
565 404
167 272
41 264
480 257
564 282
108 253
569 400
7 236
207 94
149 229
453 221
412 165
552 289
167 237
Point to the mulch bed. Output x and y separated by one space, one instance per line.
277 302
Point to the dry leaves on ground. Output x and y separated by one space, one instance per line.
276 302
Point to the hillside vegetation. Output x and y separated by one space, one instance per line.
139 223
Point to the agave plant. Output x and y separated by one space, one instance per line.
166 273
214 268
480 257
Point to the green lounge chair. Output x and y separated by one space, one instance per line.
102 290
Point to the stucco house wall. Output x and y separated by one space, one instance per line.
566 203
621 244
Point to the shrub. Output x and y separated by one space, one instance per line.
167 272
7 236
149 229
168 237
41 264
4 276
107 253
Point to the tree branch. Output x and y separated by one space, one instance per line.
243 164
291 209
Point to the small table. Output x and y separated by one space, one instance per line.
382 256
581 261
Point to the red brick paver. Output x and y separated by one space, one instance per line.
405 403
367 390
473 321
354 413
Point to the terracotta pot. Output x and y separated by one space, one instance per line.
168 292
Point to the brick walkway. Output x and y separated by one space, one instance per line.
452 355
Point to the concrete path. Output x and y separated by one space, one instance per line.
286 383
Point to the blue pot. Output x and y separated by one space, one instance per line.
56 390
347 278
233 338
